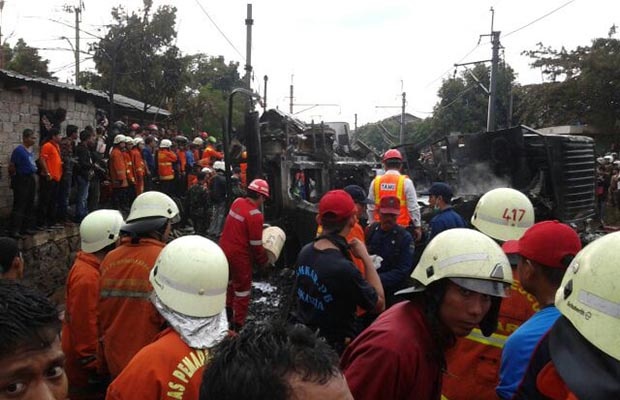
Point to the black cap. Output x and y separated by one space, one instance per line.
441 189
358 194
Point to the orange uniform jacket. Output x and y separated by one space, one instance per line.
118 168
165 159
131 177
473 364
165 369
182 160
210 155
79 328
138 163
128 320
392 185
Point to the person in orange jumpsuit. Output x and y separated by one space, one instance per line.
131 173
99 233
473 364
190 279
210 154
242 243
128 321
165 170
118 172
184 167
139 167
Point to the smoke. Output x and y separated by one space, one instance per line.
478 178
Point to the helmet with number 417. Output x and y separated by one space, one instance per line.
503 214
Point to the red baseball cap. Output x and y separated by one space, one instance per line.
389 205
336 205
547 243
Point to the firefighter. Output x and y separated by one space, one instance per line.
198 204
31 359
580 357
544 252
196 148
139 167
392 183
183 166
99 234
459 284
128 321
118 172
189 281
473 364
165 170
131 173
242 243
210 154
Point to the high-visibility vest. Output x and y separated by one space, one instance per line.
392 185
165 158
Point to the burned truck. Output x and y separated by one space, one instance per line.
556 172
301 161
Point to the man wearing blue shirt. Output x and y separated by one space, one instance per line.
545 250
440 198
22 170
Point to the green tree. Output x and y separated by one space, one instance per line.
138 57
25 60
583 87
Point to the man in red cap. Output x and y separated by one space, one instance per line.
329 286
392 183
545 250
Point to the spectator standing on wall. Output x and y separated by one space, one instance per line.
51 173
22 169
85 173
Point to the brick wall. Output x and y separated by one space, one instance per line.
19 109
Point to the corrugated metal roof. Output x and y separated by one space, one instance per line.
119 99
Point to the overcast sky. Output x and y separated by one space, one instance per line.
354 54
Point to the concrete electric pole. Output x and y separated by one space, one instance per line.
1 45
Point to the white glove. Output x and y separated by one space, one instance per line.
376 260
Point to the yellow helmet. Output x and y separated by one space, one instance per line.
503 214
589 297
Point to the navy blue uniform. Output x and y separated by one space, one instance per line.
446 219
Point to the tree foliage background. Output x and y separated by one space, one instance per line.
25 60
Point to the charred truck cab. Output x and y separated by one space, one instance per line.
556 172
301 162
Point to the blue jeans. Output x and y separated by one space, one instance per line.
81 200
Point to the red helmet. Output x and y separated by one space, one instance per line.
135 126
153 127
204 135
391 154
259 186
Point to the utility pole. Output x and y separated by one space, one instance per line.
290 107
1 45
493 80
78 12
265 79
402 121
248 47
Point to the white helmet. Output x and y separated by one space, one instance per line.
468 258
503 214
207 170
119 139
165 144
138 141
153 204
219 166
129 140
198 141
589 297
190 276
99 229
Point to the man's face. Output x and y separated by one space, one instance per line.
34 373
462 310
387 221
30 141
56 138
432 200
361 210
334 389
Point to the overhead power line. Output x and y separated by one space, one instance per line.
539 18
219 30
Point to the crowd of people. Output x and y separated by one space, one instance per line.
80 171
502 307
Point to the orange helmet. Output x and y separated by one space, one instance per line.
392 154
259 186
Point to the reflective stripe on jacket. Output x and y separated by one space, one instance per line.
165 159
392 185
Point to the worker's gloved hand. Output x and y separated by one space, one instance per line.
376 260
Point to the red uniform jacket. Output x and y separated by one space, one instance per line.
396 358
128 320
165 369
242 236
473 364
79 328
